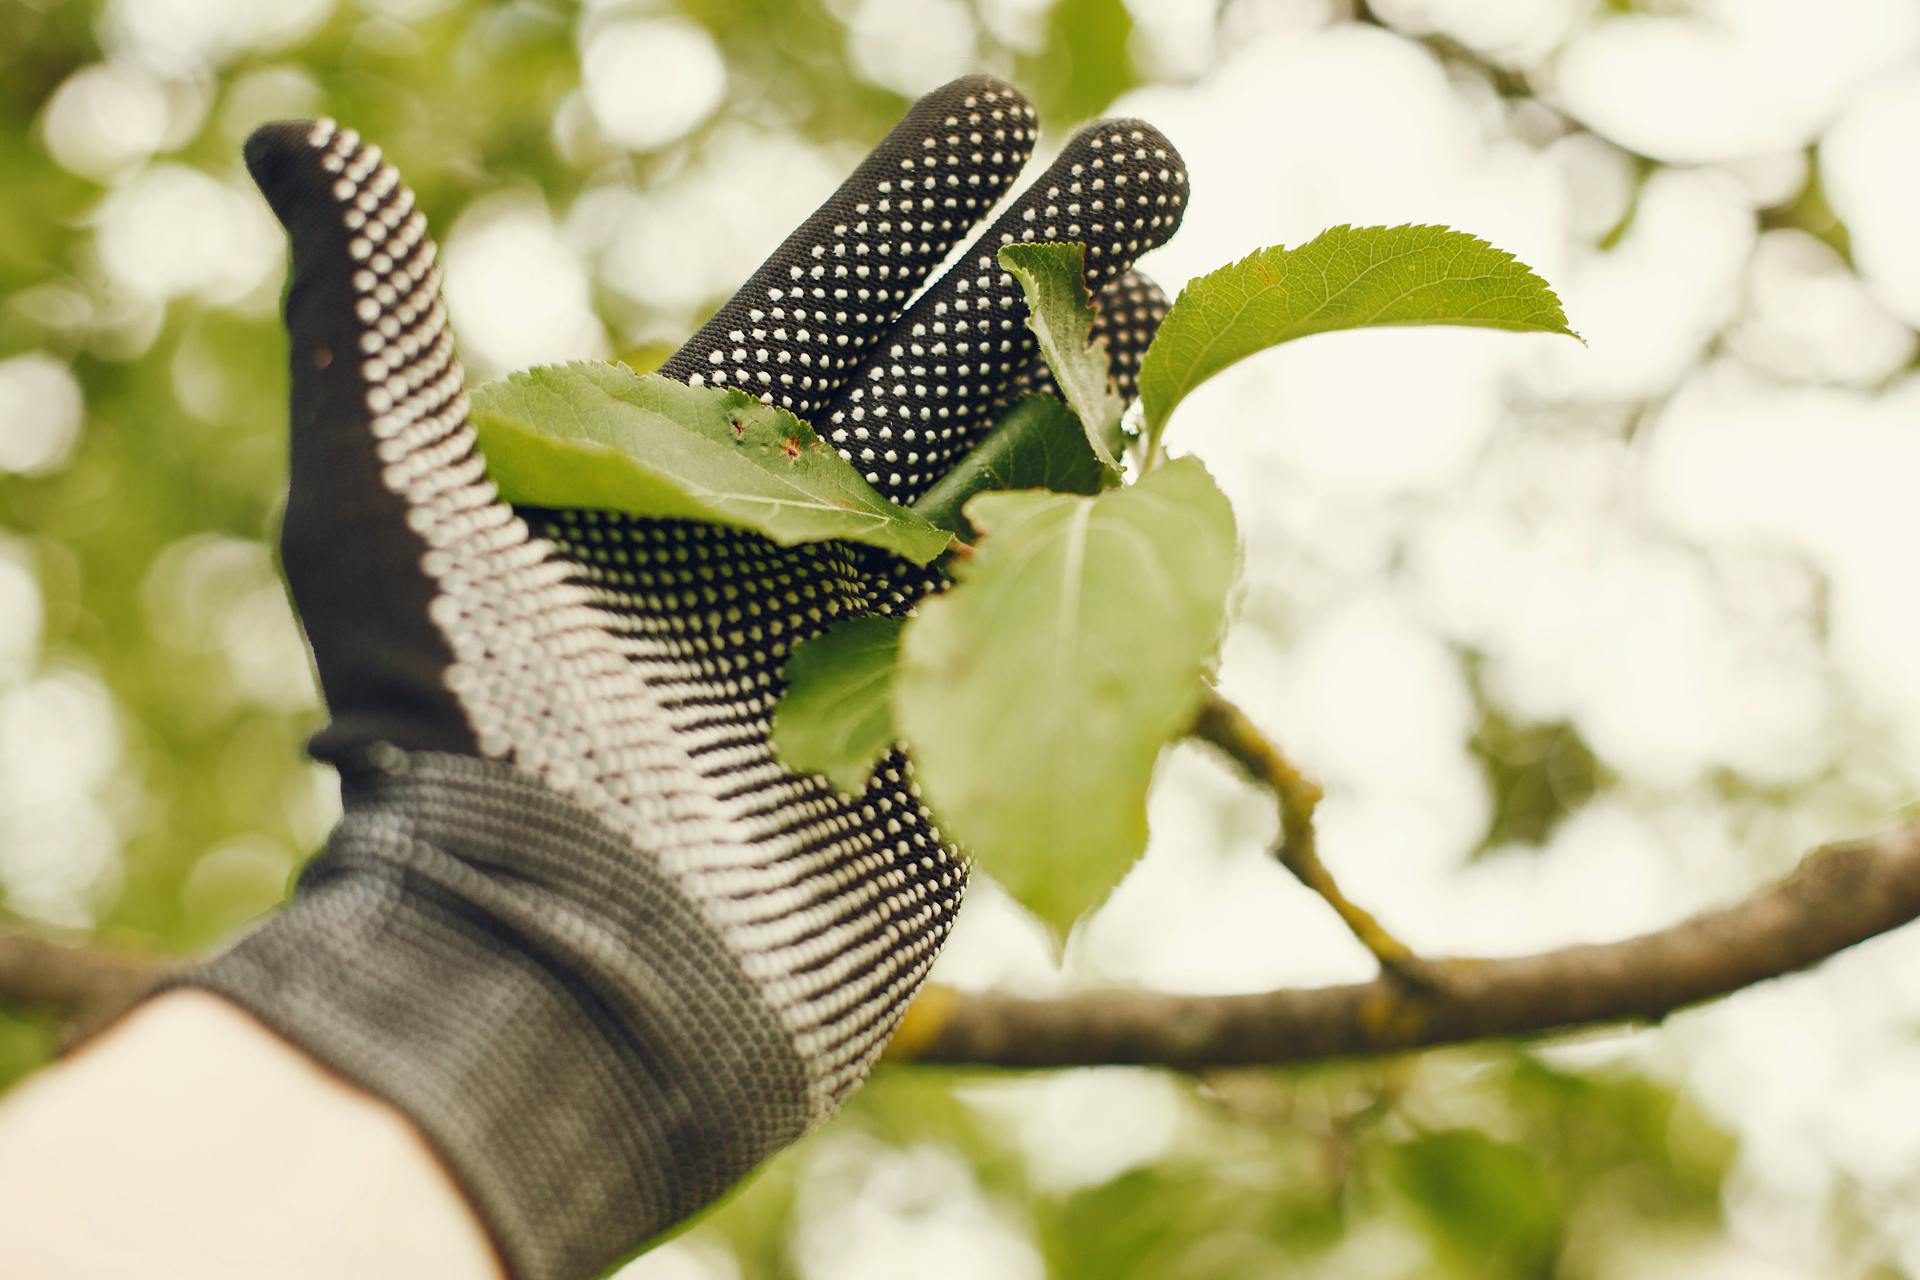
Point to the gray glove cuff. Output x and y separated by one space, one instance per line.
556 1017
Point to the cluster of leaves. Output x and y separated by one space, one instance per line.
1036 695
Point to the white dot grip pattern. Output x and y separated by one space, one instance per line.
632 665
815 308
946 367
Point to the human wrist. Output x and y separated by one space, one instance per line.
203 1131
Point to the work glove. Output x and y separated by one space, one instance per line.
577 922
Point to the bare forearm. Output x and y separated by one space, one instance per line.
189 1140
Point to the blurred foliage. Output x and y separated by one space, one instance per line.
1084 62
27 1039
1538 774
154 536
1811 210
1332 1171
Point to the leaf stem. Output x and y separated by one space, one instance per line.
1227 728
1149 452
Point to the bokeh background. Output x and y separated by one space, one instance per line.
1580 639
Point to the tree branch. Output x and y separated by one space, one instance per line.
1226 727
1838 896
89 985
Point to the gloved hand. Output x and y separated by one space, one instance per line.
576 921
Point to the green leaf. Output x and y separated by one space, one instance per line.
1037 445
1035 696
1490 1200
600 436
836 717
1061 317
1345 278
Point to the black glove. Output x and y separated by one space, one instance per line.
576 921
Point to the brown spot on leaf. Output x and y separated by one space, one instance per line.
791 447
739 428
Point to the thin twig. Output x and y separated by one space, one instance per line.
1227 727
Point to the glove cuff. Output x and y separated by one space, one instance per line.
560 1021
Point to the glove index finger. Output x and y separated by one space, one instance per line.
815 308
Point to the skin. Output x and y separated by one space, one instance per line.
191 1141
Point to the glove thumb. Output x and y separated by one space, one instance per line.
379 436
